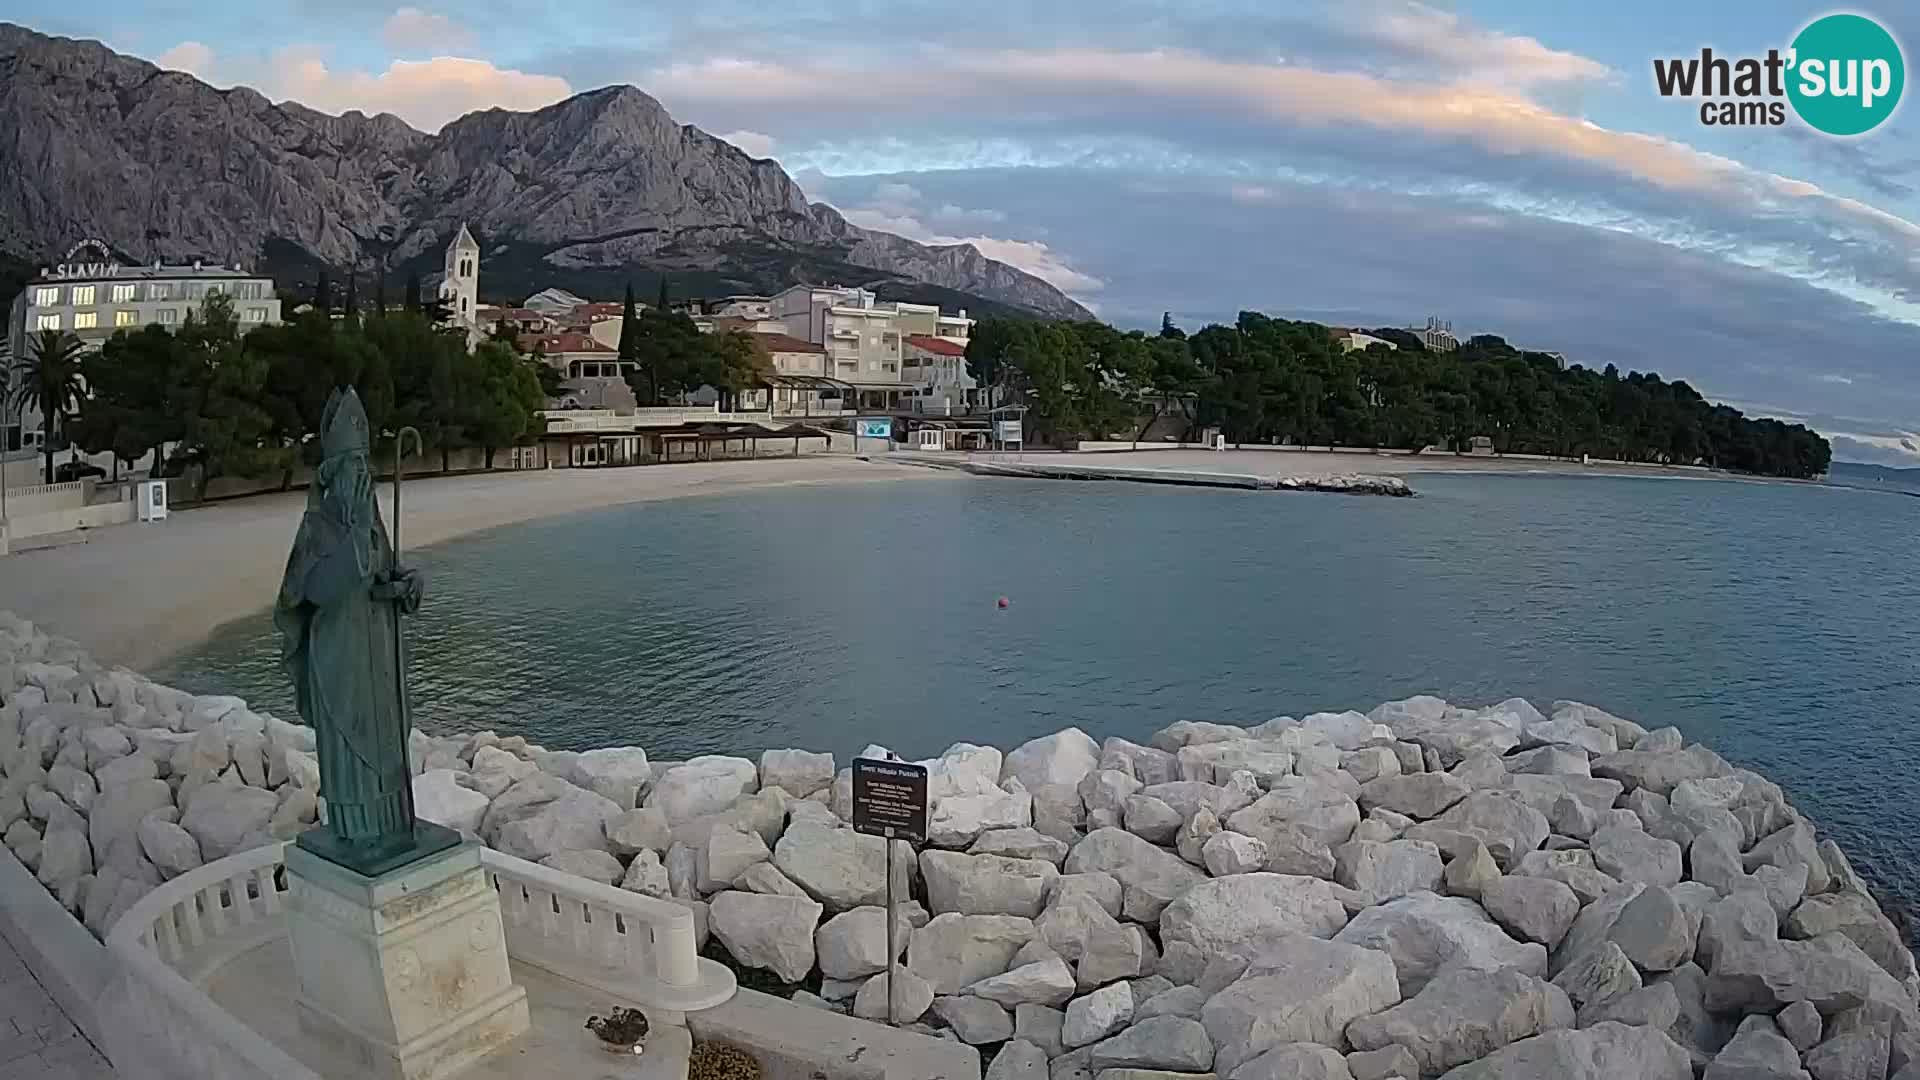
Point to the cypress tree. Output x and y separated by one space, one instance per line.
629 329
323 292
662 302
412 301
353 294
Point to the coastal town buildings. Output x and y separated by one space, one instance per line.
936 367
1437 335
1351 340
460 285
91 294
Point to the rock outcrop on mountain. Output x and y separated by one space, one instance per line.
161 165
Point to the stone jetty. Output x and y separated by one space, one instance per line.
1331 483
1424 890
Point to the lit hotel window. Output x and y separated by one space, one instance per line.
48 322
169 315
46 296
123 317
257 314
85 320
123 294
82 295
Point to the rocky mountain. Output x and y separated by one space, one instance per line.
587 191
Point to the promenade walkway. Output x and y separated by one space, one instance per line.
37 1041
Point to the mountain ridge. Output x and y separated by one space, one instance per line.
604 184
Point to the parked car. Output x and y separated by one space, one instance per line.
69 471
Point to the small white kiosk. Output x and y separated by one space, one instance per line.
152 499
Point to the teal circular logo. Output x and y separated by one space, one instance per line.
1847 74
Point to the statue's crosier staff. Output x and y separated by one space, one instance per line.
399 627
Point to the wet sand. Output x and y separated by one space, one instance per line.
139 594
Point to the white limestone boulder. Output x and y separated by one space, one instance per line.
1235 916
1319 809
1660 770
1020 844
841 868
984 884
853 944
1229 853
1417 795
771 932
1534 909
1064 757
1427 935
225 820
544 814
619 773
1044 982
634 831
1151 819
955 821
725 855
170 848
799 773
1632 855
495 770
1506 825
119 810
702 785
1606 1051
593 865
1150 877
974 1020
1170 1043
1464 1015
1097 1015
1385 870
648 876
910 993
954 951
1300 990
439 798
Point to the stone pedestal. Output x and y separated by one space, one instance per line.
405 972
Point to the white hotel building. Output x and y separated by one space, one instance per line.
93 300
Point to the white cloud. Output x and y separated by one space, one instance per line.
1444 39
189 56
752 142
955 215
1251 193
425 93
891 208
1831 378
410 29
1681 195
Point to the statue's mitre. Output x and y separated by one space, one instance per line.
343 425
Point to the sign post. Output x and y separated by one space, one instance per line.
890 801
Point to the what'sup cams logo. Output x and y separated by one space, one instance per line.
1842 75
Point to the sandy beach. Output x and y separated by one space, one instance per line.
136 595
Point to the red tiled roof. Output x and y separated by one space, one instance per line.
778 343
937 346
598 308
553 344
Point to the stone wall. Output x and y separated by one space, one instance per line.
1420 890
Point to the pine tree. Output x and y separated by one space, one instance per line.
629 329
323 292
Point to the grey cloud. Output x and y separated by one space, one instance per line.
1378 258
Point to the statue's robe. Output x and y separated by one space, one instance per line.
341 645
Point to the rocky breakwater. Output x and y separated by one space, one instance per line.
1423 890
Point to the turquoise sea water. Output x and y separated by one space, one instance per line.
1779 624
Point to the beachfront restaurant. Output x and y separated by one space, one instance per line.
691 441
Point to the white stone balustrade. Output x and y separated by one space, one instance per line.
167 946
632 946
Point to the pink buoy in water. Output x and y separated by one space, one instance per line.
1003 602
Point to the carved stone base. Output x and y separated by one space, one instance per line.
406 972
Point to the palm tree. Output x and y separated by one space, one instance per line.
48 380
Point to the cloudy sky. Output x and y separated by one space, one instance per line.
1504 164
